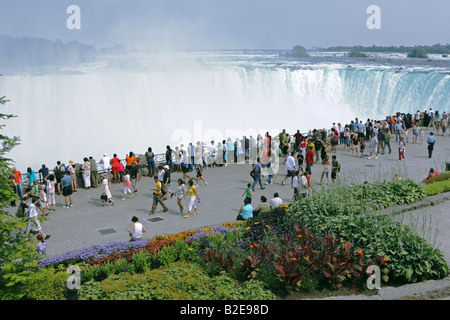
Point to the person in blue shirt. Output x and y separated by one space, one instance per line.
431 141
246 211
66 183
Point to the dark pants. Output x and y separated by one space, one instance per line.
430 149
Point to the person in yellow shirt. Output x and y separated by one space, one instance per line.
193 195
157 197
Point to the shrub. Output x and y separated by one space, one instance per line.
180 280
437 187
47 284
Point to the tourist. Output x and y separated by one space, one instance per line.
326 169
168 155
398 130
33 222
127 185
256 174
199 176
134 173
106 190
185 166
224 151
230 150
306 182
246 211
290 168
157 197
17 179
295 184
106 163
355 142
334 141
387 140
191 152
362 147
431 174
35 189
347 139
248 193
431 140
150 156
177 156
43 200
66 184
51 190
31 176
401 149
71 172
300 160
264 206
373 147
193 195
41 247
335 168
444 123
43 172
95 177
421 136
181 193
309 158
276 201
380 135
115 168
136 229
166 183
86 173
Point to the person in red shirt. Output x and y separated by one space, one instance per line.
309 159
17 178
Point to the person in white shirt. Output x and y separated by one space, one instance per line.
106 163
136 230
290 168
295 185
33 223
276 201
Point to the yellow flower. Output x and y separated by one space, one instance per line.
267 226
248 228
190 249
256 222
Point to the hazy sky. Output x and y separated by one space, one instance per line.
229 24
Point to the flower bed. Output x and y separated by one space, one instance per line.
326 241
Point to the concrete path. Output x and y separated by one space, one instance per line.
88 223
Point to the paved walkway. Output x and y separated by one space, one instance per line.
88 223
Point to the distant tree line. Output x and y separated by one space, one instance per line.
434 49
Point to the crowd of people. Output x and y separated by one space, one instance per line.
298 153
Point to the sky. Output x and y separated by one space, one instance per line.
229 24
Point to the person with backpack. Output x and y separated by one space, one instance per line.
58 170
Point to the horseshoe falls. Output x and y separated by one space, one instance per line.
119 104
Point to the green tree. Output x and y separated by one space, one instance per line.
18 258
418 53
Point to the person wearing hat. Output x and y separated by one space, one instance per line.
71 171
106 189
166 183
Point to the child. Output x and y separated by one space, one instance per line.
421 136
401 149
43 200
127 184
362 145
200 175
248 193
41 247
405 133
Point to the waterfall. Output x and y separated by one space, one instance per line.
71 114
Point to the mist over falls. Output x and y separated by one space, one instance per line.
128 103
